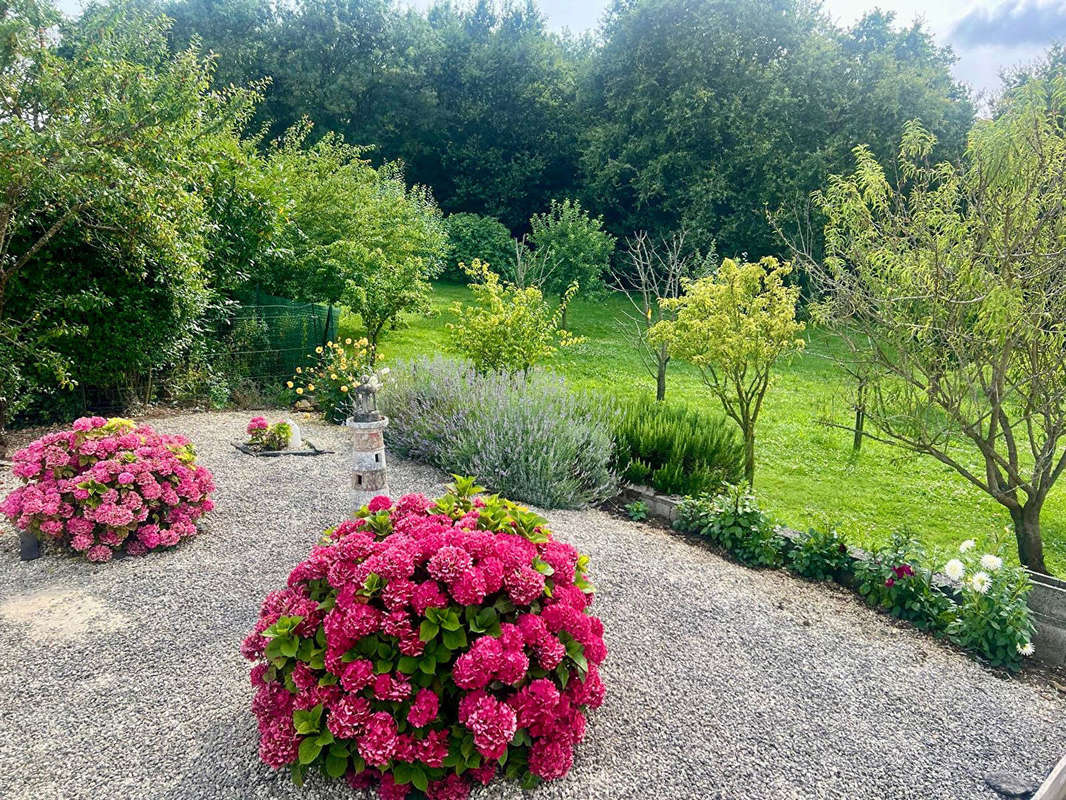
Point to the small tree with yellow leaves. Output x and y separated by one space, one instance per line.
733 326
508 328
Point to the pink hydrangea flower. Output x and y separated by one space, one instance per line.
437 574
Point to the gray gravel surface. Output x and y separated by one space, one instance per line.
124 680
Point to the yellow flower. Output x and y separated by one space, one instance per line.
318 349
348 340
333 376
300 391
299 370
344 388
329 343
310 387
289 384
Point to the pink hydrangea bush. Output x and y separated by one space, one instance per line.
429 646
108 485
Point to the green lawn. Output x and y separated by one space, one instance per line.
805 474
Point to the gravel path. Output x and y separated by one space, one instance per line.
124 680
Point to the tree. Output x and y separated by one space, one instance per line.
951 288
654 272
98 123
508 329
733 326
473 236
357 234
702 113
576 243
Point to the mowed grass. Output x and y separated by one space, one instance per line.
805 474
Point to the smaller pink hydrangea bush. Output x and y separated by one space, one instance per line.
108 485
427 647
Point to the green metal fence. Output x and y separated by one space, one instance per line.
271 336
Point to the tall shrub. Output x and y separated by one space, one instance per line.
472 236
527 437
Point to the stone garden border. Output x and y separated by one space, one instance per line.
1047 600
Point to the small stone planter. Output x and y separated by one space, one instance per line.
368 475
308 450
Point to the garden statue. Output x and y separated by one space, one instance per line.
368 443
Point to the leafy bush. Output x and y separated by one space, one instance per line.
527 437
637 510
508 329
428 645
992 616
264 436
107 485
892 578
675 449
576 243
819 555
332 375
733 521
472 236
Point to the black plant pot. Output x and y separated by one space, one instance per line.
29 547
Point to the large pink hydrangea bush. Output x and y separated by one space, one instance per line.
427 646
109 485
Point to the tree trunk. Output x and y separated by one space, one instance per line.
749 456
1027 531
660 382
562 319
860 416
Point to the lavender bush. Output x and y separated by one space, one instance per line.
527 437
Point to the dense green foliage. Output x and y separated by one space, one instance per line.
708 112
733 520
472 236
133 206
683 113
478 102
575 245
525 436
675 449
819 554
104 139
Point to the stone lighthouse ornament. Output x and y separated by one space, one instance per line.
368 477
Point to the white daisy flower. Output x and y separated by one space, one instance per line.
969 544
991 562
954 569
980 582
1026 649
